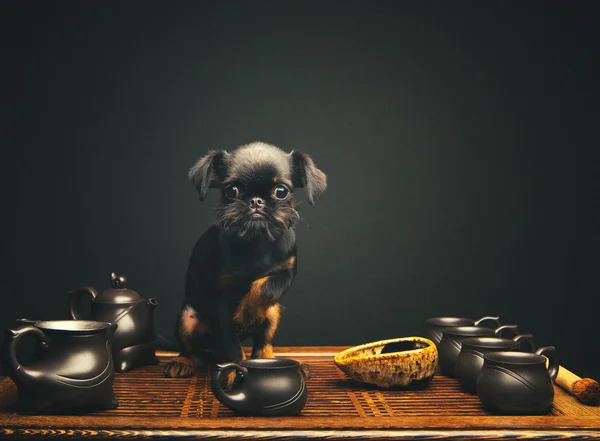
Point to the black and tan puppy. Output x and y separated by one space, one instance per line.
243 264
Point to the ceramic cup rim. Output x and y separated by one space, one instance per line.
462 331
72 326
514 358
489 342
269 363
449 321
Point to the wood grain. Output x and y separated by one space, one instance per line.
151 406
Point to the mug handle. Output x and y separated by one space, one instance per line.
12 340
527 339
550 353
513 328
496 320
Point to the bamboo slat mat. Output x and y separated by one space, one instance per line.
336 407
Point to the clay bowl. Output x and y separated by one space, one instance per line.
407 362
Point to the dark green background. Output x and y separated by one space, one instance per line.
457 137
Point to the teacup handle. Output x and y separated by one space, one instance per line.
527 339
496 320
236 401
226 366
550 353
513 328
222 368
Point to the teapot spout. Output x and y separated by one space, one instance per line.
152 303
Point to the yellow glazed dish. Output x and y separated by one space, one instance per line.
398 362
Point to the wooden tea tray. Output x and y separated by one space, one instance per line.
151 406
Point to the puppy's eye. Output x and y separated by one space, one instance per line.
280 192
232 192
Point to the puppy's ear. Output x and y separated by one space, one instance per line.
210 169
306 174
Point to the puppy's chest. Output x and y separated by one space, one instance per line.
241 271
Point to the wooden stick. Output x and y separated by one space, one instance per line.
585 390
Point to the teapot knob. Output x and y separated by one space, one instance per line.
118 282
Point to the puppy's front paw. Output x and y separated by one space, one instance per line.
232 381
180 367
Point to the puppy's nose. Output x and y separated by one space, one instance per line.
256 203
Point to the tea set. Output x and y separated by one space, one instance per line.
74 364
508 375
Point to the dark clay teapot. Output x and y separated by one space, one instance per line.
72 370
267 386
134 338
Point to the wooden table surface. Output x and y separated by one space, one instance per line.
151 406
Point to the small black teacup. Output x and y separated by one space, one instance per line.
435 326
470 359
517 382
452 339
269 386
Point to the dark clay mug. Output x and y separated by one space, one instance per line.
518 383
435 326
470 359
267 386
72 371
452 339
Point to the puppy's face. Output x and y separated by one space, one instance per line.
257 184
256 202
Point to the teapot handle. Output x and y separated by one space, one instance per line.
12 338
550 353
513 328
496 320
75 297
233 401
527 339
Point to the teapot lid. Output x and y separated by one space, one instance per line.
118 293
